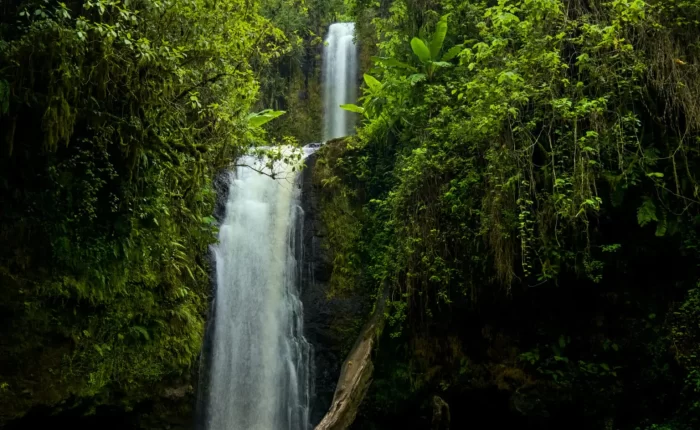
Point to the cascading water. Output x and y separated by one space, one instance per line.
259 364
256 365
339 79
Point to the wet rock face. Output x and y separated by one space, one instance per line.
316 274
221 186
319 311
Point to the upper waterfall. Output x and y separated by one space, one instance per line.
339 79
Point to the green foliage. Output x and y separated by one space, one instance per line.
263 117
353 108
535 157
527 141
420 49
115 117
429 55
438 38
646 213
373 85
341 219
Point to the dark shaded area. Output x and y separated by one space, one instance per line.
323 317
81 418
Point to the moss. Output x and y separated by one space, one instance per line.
341 217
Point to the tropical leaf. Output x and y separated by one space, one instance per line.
352 108
441 64
263 117
438 38
372 82
419 48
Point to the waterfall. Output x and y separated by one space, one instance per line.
259 360
339 79
256 364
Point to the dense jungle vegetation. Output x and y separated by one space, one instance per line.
525 180
115 116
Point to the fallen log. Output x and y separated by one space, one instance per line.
356 373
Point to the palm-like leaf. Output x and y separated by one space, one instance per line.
420 49
438 38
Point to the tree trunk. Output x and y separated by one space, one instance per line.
356 373
441 414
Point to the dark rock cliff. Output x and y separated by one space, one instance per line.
323 316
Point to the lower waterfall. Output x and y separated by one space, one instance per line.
259 360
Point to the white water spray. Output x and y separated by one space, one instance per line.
339 80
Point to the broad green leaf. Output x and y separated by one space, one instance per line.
372 82
419 48
353 108
452 53
264 116
438 38
441 64
392 62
